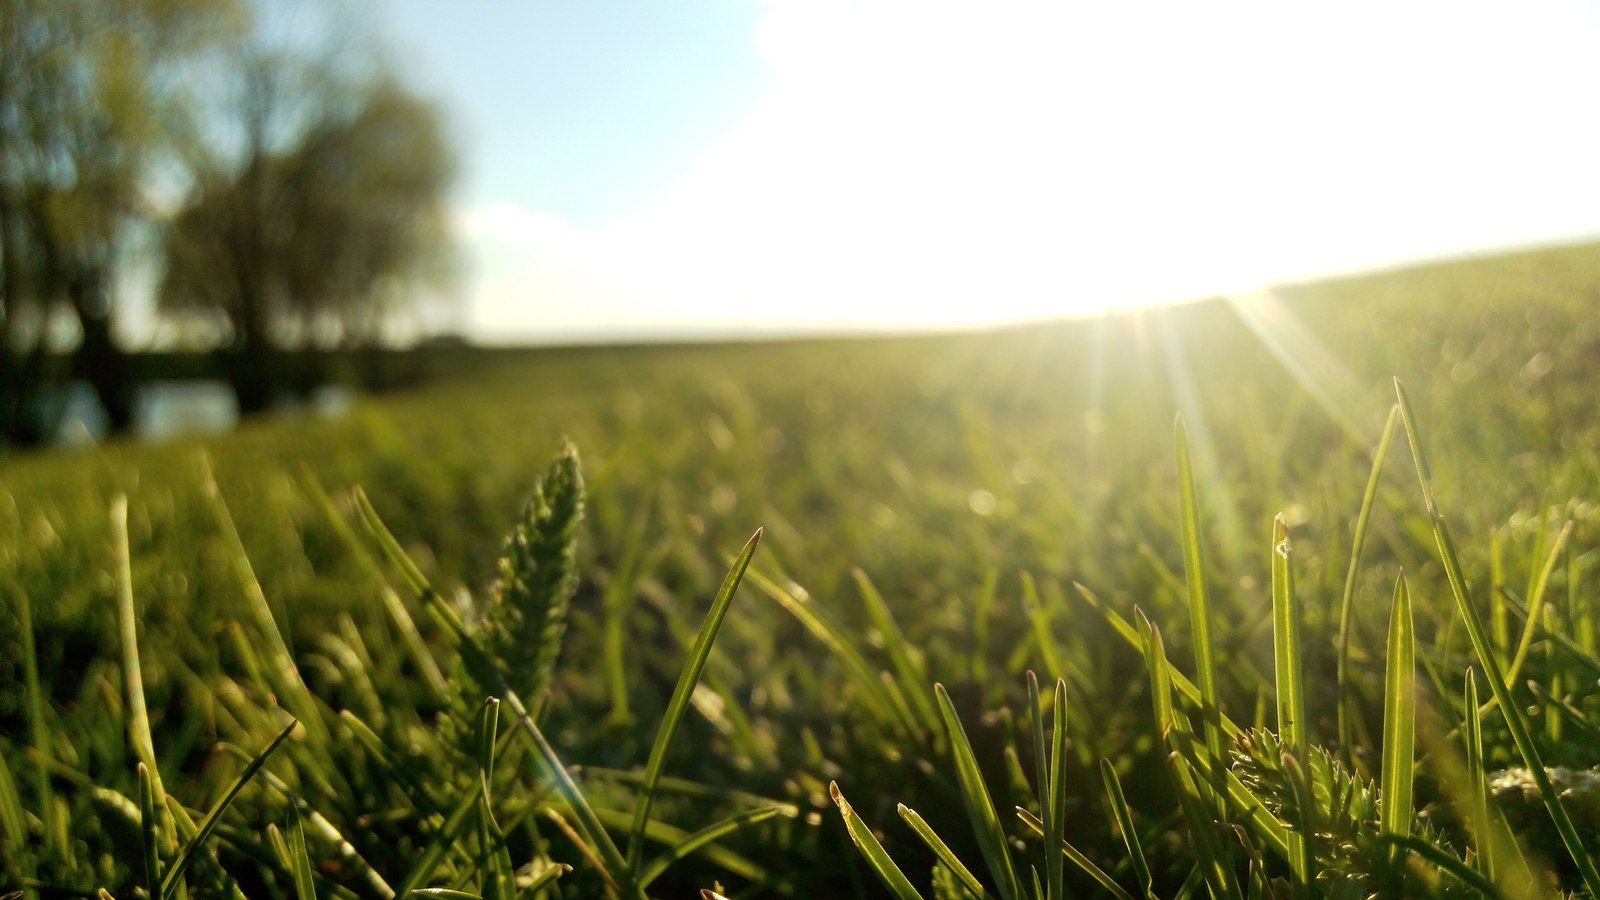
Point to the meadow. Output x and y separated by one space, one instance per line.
1272 651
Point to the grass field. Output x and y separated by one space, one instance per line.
955 509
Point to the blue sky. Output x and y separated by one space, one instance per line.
581 109
734 165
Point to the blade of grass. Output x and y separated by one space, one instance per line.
387 543
1130 835
1039 619
544 879
1535 604
1288 669
908 669
438 845
1215 865
1563 707
1478 785
1268 828
1196 576
1077 857
872 851
1042 780
679 704
980 626
616 602
897 700
1258 888
203 830
1192 883
1304 818
713 832
942 850
1499 628
1045 780
148 824
1162 571
350 860
1576 655
668 835
1516 722
38 728
616 867
276 843
613 866
1399 727
1443 860
980 808
304 883
1057 787
1554 720
1216 869
1179 681
281 672
494 862
13 821
404 775
1581 614
1155 654
585 848
837 640
138 716
1449 770
712 697
1541 538
1347 695
409 635
682 786
181 822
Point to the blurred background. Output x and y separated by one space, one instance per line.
209 209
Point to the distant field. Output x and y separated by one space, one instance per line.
971 479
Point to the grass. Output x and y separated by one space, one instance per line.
988 512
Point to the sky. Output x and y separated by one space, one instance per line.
705 167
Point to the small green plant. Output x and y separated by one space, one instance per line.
526 613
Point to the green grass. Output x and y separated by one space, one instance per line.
677 714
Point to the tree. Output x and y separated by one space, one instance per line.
314 218
86 92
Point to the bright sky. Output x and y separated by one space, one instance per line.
756 165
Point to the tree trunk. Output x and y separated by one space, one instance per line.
252 364
100 361
27 416
30 404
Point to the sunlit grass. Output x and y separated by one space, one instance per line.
1217 715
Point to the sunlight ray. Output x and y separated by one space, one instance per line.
1319 372
1220 502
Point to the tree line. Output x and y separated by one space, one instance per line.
269 178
